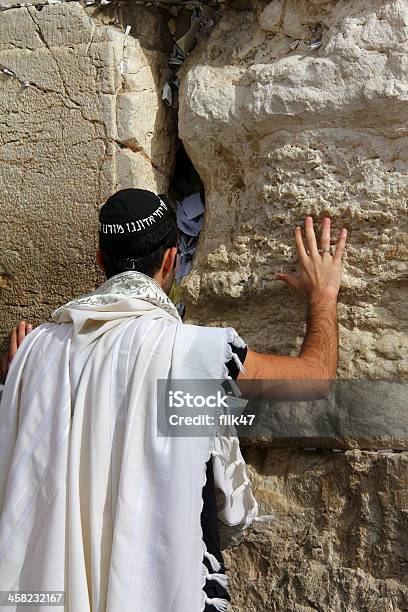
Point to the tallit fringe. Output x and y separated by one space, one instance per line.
228 450
222 605
215 564
218 603
233 338
238 361
222 579
230 467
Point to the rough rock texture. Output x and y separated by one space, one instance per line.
278 132
80 131
277 129
358 414
338 541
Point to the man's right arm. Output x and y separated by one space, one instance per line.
310 374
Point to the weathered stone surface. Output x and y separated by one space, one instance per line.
277 133
358 414
337 542
92 121
277 130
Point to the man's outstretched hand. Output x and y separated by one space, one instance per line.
314 370
320 272
17 335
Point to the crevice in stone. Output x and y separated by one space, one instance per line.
185 179
184 188
140 151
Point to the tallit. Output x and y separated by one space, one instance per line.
92 501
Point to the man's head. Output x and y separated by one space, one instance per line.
138 231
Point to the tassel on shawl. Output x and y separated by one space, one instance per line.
218 603
238 362
222 579
215 564
233 338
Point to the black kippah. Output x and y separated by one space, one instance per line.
132 213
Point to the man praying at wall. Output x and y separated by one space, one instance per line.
94 503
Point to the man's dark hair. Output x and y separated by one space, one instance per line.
143 253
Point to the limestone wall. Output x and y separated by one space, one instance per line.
91 121
278 130
288 109
338 543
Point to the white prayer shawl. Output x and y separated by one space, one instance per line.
93 502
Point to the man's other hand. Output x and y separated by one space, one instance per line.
17 335
320 272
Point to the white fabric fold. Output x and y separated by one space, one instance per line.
93 502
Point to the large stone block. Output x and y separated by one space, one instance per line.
336 543
279 127
92 121
368 414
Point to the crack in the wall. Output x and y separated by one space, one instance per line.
93 28
304 502
140 151
107 168
65 97
47 46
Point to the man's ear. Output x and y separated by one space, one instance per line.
169 260
99 260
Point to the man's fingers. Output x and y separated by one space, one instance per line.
21 332
310 236
325 240
340 246
300 247
17 336
13 346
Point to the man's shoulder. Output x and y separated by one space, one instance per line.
211 347
51 327
226 334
